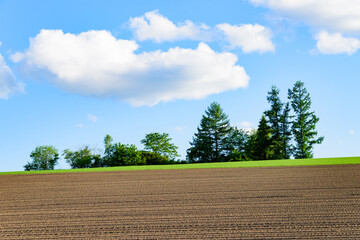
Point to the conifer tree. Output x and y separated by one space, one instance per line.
262 150
285 133
209 143
278 119
274 116
304 121
236 144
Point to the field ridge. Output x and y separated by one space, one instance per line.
238 164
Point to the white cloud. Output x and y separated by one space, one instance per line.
92 118
248 37
352 132
154 26
247 126
336 43
96 63
336 15
8 83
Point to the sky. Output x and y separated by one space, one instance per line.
73 71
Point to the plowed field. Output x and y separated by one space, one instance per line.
275 202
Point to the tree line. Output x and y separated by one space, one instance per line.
158 149
285 130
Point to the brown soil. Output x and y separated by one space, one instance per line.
277 202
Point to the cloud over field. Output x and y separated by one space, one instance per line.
8 83
336 43
96 63
339 16
248 37
333 18
154 26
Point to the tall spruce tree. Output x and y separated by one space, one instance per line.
285 133
262 145
236 144
209 143
278 119
304 121
274 116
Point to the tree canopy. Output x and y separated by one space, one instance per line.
160 143
304 121
83 158
209 143
44 158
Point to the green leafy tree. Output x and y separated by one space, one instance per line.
44 158
121 154
209 143
304 122
108 148
152 158
160 144
262 143
83 158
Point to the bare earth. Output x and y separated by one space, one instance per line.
277 202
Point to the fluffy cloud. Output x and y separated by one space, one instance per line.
336 43
339 16
248 37
96 63
154 26
247 126
8 83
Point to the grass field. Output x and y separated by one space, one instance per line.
244 164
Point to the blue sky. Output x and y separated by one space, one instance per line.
73 71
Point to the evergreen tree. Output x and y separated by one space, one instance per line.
209 143
304 121
236 144
262 145
285 133
274 119
250 145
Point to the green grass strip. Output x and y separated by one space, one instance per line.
243 164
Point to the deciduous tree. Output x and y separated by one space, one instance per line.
44 158
83 158
160 143
118 154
